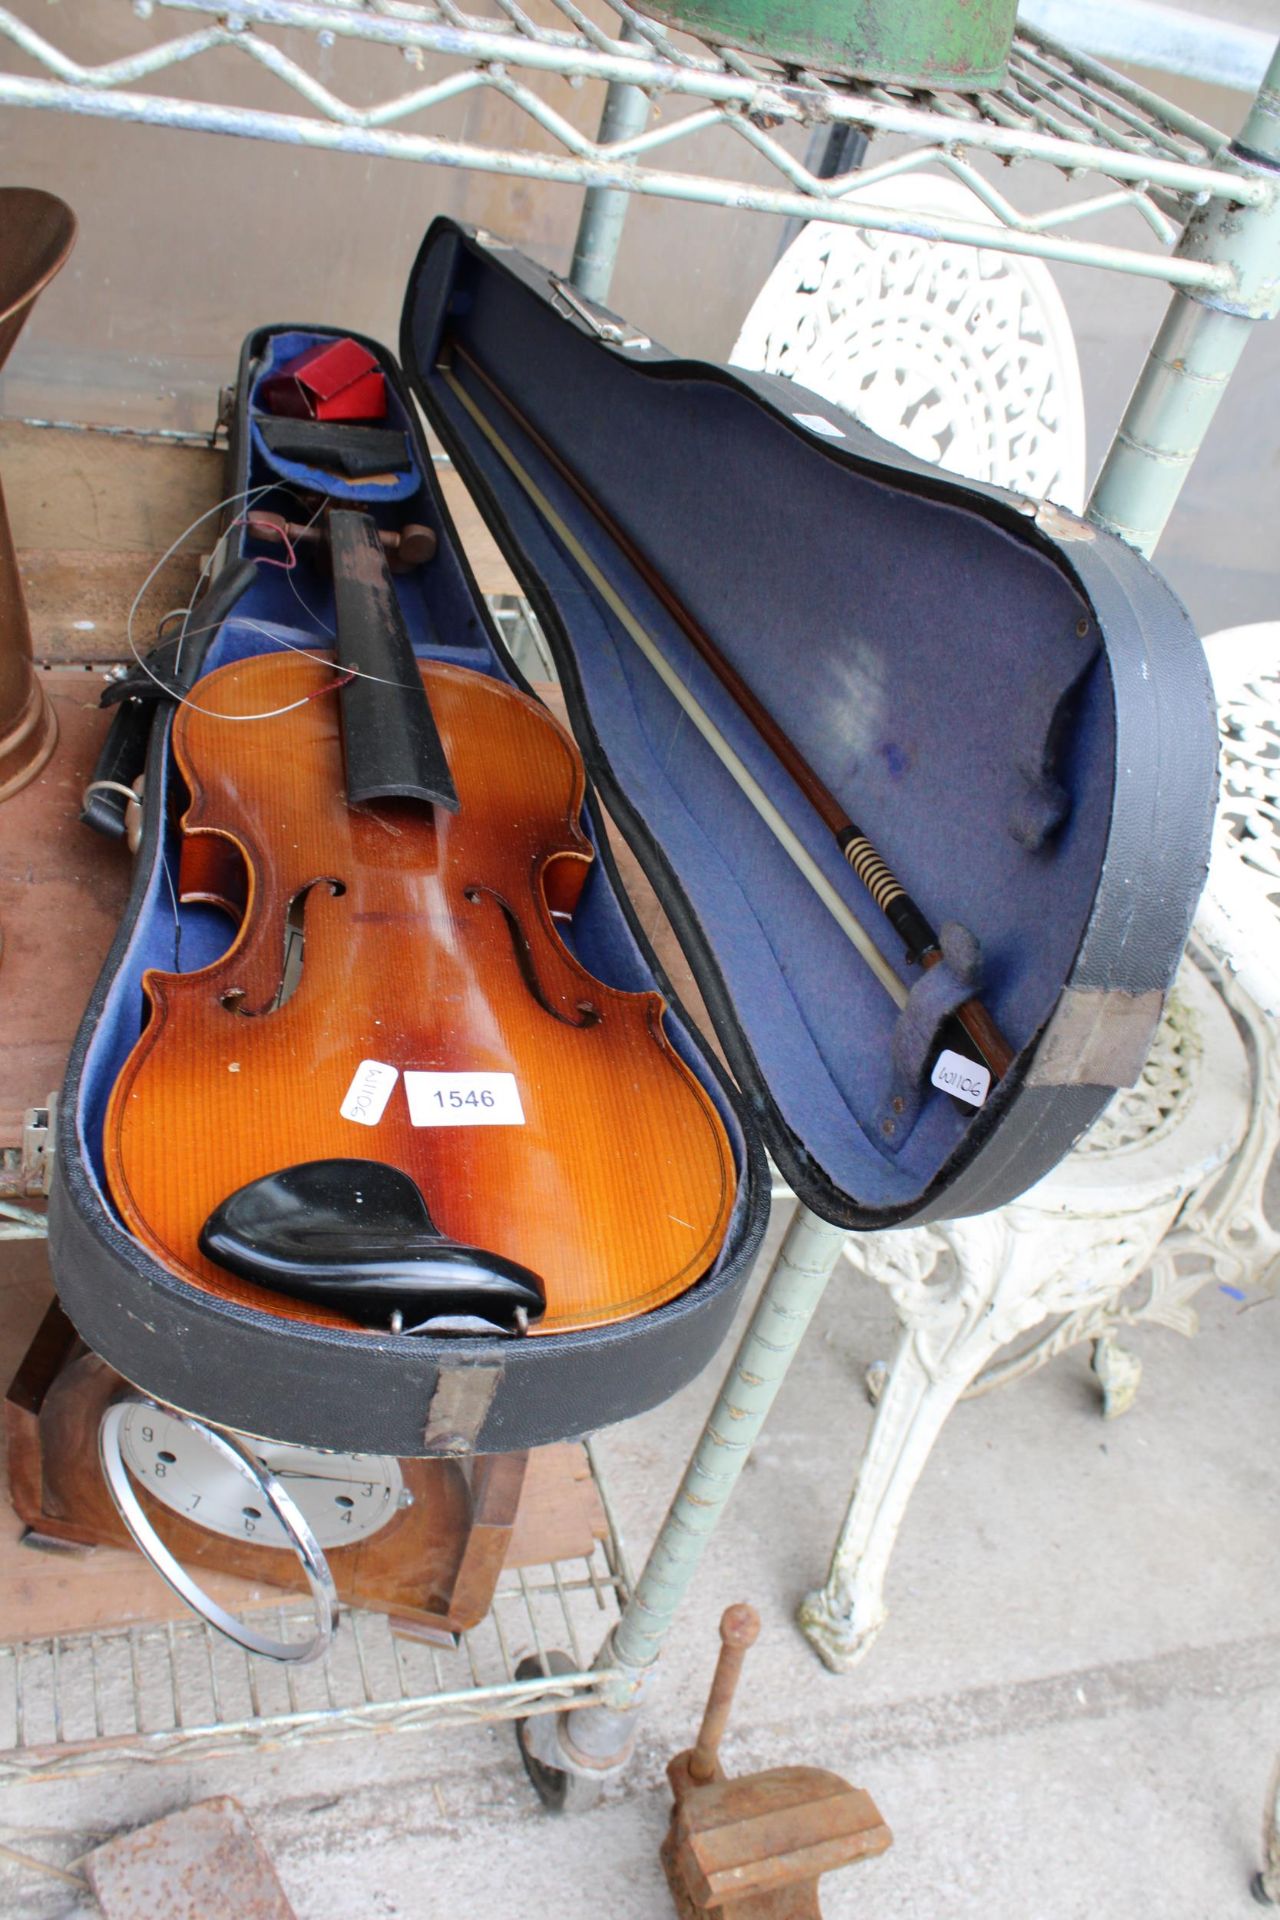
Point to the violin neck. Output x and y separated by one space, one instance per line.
390 740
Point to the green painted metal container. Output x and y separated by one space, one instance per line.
961 44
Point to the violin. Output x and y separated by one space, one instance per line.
397 1100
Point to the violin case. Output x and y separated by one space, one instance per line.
1011 703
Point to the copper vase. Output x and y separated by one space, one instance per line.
37 232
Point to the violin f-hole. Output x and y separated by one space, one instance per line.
232 998
588 1012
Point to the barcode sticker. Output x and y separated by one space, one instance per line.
816 423
464 1100
965 1078
369 1092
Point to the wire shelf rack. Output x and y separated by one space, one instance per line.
178 1690
1136 152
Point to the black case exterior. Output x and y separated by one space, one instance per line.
1152 793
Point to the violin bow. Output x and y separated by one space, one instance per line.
904 916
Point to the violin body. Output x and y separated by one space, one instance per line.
418 941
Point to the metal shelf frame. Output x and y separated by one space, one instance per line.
75 1703
1056 107
1207 210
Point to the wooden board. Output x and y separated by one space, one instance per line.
62 891
92 512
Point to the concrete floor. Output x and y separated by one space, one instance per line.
1072 1711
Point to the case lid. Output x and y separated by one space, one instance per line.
1010 704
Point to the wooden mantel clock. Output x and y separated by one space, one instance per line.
421 1540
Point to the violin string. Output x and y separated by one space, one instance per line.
290 560
289 566
310 612
343 677
308 653
163 561
177 917
246 496
241 519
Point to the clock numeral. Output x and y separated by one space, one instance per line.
194 1504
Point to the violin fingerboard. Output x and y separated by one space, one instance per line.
390 740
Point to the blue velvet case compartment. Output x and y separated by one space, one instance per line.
278 350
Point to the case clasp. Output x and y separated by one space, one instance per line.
611 331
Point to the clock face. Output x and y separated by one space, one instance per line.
342 1496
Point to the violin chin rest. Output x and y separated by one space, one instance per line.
356 1236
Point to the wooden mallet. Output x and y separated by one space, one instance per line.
755 1848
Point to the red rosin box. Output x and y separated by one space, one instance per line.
338 380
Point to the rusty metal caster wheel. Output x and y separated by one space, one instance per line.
559 1792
